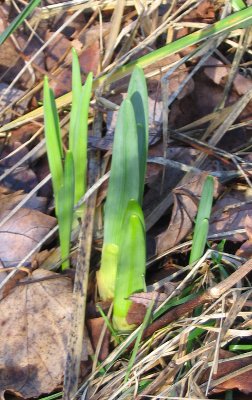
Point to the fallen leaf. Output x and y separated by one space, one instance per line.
242 381
35 320
22 233
58 49
231 212
10 200
136 314
218 73
186 199
22 177
95 327
10 96
246 248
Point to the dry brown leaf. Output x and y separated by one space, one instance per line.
185 207
242 381
22 177
35 320
21 233
12 199
89 59
218 73
246 248
230 213
95 327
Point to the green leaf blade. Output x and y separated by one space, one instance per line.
80 135
138 95
124 175
65 209
131 264
76 93
53 141
18 20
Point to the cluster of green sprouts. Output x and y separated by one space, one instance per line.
68 168
123 260
123 254
124 250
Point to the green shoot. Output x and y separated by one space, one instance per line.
126 178
238 5
131 264
53 141
65 209
138 95
123 186
76 91
78 130
18 20
202 220
68 179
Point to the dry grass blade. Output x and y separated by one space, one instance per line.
115 23
226 25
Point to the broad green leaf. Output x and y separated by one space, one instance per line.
131 264
202 220
199 240
65 209
53 141
137 93
124 175
106 276
76 93
238 5
18 20
79 140
206 200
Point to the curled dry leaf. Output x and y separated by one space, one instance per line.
186 199
35 320
233 211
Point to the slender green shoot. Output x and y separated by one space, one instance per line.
76 91
78 130
18 20
65 209
53 141
109 325
68 179
238 5
202 220
138 95
240 347
130 276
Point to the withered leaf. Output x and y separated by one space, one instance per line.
186 199
140 303
242 381
21 233
35 320
231 212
